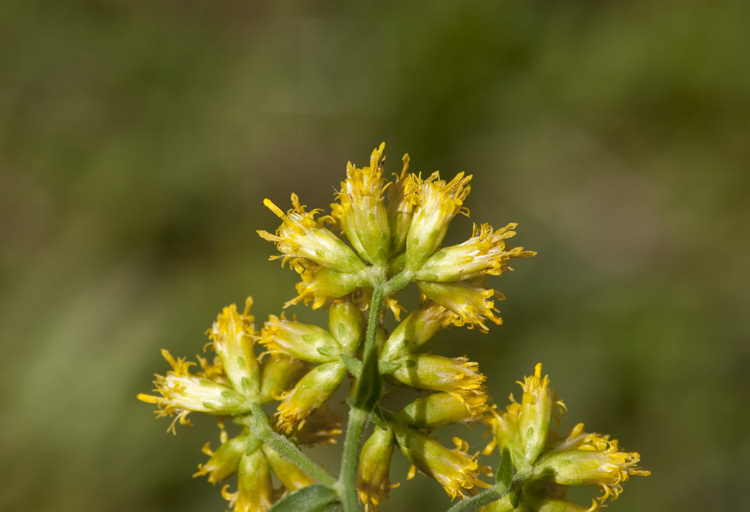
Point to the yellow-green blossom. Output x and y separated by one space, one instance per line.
483 254
346 324
361 211
538 406
455 470
183 393
438 202
320 284
426 371
302 341
373 485
415 330
439 409
224 462
232 336
312 391
288 474
302 237
254 485
471 303
402 199
277 374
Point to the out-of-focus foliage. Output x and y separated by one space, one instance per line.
138 138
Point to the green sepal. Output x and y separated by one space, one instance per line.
504 475
313 498
388 368
515 497
377 419
353 364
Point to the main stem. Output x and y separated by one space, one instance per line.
359 413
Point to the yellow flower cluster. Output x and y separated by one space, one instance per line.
398 235
380 236
555 462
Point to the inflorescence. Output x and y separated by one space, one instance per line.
392 236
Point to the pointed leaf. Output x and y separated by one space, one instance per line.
504 474
313 498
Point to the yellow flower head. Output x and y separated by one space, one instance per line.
224 462
277 374
438 202
302 341
455 470
373 485
606 467
232 336
538 406
254 485
310 393
439 409
320 284
483 254
416 329
183 393
472 304
361 211
426 371
402 199
302 238
321 426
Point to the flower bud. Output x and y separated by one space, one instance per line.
300 236
346 323
254 484
471 303
549 504
225 460
373 485
402 198
361 210
482 254
454 470
232 336
536 412
426 371
307 342
291 476
416 329
312 391
277 374
607 468
438 409
320 284
438 202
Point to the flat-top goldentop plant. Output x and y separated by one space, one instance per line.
392 237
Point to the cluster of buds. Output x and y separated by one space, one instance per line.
380 236
552 462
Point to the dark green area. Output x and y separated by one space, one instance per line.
138 139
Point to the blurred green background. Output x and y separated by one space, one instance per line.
138 139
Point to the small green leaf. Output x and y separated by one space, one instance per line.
388 367
313 498
353 364
504 474
515 497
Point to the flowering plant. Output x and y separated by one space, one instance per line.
394 231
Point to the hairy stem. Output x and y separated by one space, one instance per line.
365 396
286 448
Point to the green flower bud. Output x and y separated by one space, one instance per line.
373 485
416 329
346 323
225 460
426 371
277 374
291 476
440 409
303 341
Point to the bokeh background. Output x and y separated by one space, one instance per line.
138 139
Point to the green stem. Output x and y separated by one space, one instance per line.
365 396
286 448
